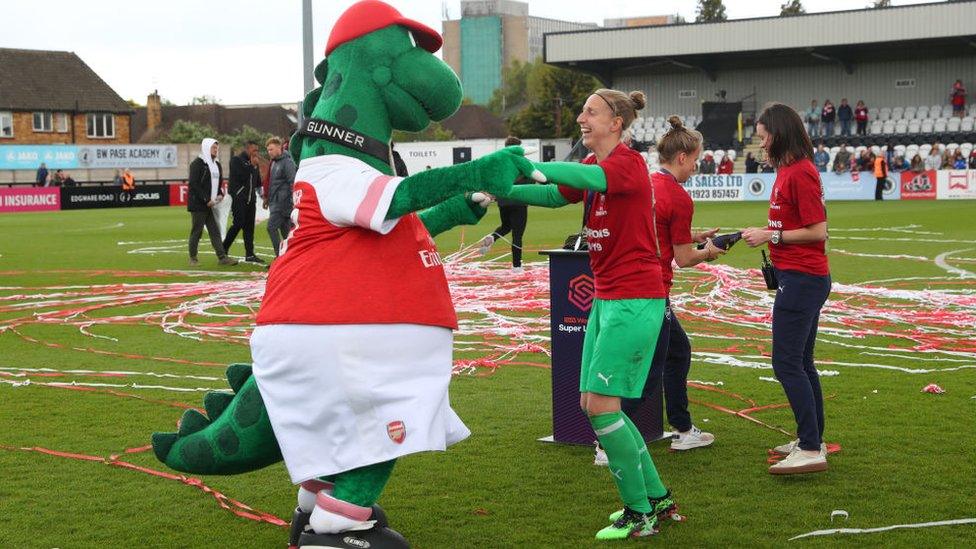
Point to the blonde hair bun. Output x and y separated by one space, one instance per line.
638 99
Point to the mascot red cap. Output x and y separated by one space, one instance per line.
370 15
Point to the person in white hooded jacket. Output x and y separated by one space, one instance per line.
203 193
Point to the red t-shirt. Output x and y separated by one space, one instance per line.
797 201
673 209
620 230
861 114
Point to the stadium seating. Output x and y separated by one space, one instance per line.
910 124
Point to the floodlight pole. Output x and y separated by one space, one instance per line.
307 44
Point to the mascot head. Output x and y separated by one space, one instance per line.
379 74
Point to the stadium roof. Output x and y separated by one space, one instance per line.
846 37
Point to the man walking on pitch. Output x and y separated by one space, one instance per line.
282 177
244 183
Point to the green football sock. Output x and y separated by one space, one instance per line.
616 439
652 481
364 485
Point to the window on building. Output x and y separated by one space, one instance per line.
61 121
101 125
42 122
6 124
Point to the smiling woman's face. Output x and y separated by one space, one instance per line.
597 122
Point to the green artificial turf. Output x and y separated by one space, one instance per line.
906 456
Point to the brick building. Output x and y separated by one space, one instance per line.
150 123
53 97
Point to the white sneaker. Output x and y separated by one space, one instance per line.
600 459
800 461
332 516
485 244
693 438
786 449
517 270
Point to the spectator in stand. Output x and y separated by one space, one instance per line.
861 117
972 160
813 119
766 167
845 115
707 165
827 117
934 160
866 161
117 180
752 165
959 161
821 158
842 162
958 99
899 163
918 165
57 179
726 166
41 177
68 181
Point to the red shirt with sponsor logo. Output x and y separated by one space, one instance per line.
344 263
673 209
797 201
620 230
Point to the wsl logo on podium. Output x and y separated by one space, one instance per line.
581 292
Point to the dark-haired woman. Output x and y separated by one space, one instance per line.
514 216
628 309
796 232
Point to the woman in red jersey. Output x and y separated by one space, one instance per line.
628 308
678 150
796 232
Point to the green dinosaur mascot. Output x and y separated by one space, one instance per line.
353 349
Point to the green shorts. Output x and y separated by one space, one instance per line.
621 335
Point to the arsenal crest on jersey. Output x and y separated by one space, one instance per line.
397 431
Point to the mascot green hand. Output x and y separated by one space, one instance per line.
353 346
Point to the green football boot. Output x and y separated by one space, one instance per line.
630 524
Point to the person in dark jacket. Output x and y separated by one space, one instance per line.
827 117
40 178
752 165
243 186
845 114
203 185
281 179
514 216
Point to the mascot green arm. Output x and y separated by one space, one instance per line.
586 177
547 196
457 210
492 173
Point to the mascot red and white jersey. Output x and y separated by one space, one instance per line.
371 270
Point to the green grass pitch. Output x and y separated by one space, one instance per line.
907 456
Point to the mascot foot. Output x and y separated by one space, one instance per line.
374 538
299 524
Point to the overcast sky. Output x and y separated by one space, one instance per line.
251 51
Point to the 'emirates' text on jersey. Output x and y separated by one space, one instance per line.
620 230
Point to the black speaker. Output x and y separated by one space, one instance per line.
719 123
548 153
462 155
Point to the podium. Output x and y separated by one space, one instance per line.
571 293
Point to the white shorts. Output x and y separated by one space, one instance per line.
346 396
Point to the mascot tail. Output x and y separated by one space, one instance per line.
234 437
